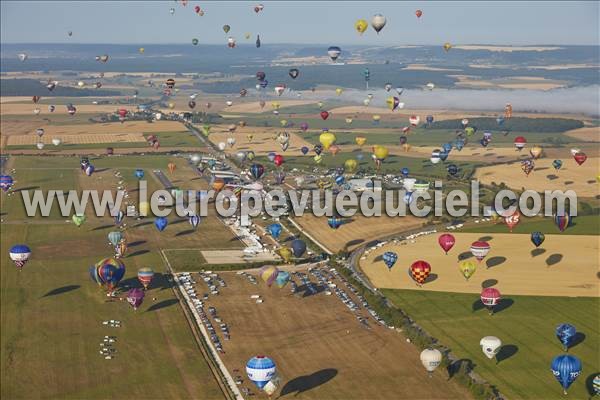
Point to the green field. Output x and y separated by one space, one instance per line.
583 225
526 327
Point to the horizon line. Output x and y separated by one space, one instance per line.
304 44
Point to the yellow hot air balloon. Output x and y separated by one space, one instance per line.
350 165
250 137
320 104
275 105
285 253
536 152
141 50
376 117
318 159
283 122
406 146
381 152
144 208
447 46
467 268
349 120
327 139
171 105
361 26
338 91
360 140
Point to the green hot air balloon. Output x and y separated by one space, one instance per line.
78 220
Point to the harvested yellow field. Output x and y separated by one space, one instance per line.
590 134
580 178
357 231
100 128
254 107
14 99
27 109
20 140
565 265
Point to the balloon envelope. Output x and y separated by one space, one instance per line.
566 368
490 345
260 370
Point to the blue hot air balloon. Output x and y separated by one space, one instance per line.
460 143
304 150
557 164
405 171
500 120
283 277
260 370
408 197
334 222
298 247
6 182
339 180
139 173
452 169
89 170
566 334
537 238
271 156
194 221
161 223
20 254
447 147
566 368
390 258
115 237
429 119
443 155
119 217
257 170
274 230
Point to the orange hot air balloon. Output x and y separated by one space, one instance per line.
218 184
171 167
334 149
418 13
508 111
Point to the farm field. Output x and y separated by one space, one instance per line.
526 327
323 367
564 265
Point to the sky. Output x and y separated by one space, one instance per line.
323 22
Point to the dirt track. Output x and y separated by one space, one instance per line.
347 361
563 266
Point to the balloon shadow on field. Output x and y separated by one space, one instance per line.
463 364
579 338
552 177
495 261
99 228
61 290
143 224
378 258
485 238
431 278
307 382
506 352
136 243
554 259
354 242
465 255
503 305
24 189
138 253
589 384
537 252
186 232
489 283
162 304
101 170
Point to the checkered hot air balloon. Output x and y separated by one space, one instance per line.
390 258
419 271
19 254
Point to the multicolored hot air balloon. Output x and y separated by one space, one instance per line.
390 258
114 237
378 22
490 297
257 171
135 297
6 182
268 274
283 277
145 276
19 254
108 272
566 368
419 271
446 242
512 220
260 370
562 221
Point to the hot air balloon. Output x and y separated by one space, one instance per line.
283 277
467 268
135 297
447 46
562 221
170 83
512 220
392 102
334 52
435 156
536 152
274 230
260 370
6 182
22 57
226 28
419 271
557 164
279 89
298 247
139 173
527 166
194 221
257 171
490 345
520 142
390 258
334 222
418 13
78 219
360 140
108 272
350 165
580 157
361 26
114 237
566 334
119 217
19 254
161 223
171 10
431 359
446 242
278 160
304 150
378 22
414 120
508 111
537 238
480 249
324 115
566 368
452 169
293 73
490 297
171 166
268 274
430 86
327 139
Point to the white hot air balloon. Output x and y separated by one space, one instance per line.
39 145
279 89
222 146
366 102
400 105
409 184
435 156
230 141
81 83
158 116
22 57
431 359
56 141
378 22
229 103
491 346
430 86
414 120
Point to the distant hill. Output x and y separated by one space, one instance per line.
33 87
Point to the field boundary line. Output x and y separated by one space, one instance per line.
308 235
229 388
